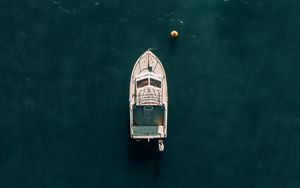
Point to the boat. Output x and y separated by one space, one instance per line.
148 100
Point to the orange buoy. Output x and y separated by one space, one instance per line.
174 34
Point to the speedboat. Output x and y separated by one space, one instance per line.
148 100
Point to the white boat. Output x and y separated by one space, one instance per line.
148 100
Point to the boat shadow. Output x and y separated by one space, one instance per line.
143 154
143 150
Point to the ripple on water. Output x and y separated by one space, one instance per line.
96 3
62 8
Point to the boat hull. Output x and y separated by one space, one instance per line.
148 106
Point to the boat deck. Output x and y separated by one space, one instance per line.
148 121
148 115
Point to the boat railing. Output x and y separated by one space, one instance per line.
149 98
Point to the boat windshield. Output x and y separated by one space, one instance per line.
155 83
142 83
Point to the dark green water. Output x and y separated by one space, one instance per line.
233 77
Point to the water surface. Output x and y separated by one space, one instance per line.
233 78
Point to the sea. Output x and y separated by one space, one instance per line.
233 84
